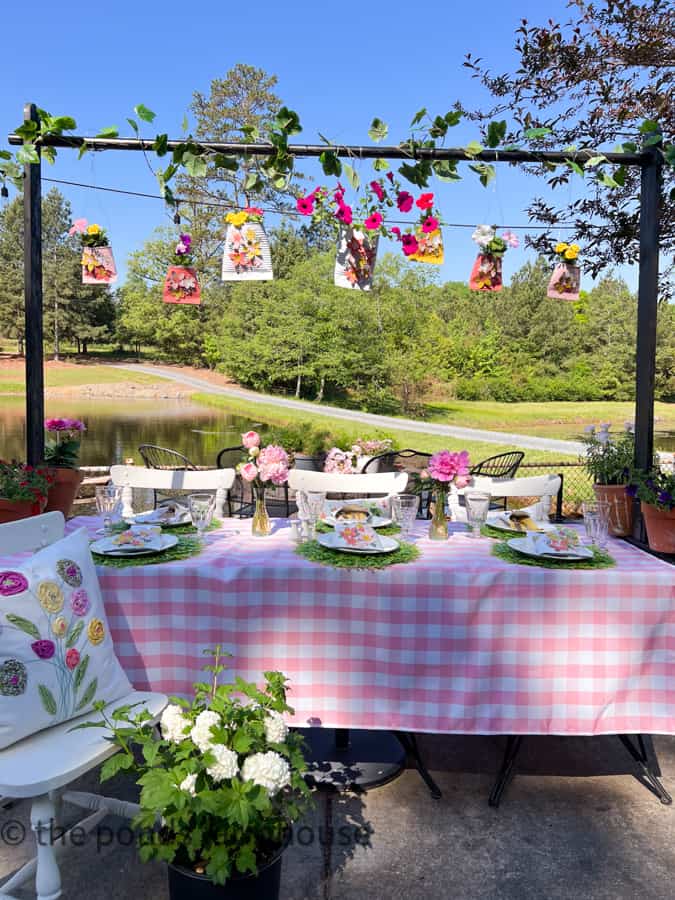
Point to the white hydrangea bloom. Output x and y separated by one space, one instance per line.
226 765
275 728
173 724
201 730
188 785
483 235
269 770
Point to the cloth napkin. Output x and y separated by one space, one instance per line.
357 536
557 543
168 514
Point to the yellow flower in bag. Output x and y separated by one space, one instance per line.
572 252
561 248
237 219
94 229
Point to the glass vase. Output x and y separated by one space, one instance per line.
261 524
438 528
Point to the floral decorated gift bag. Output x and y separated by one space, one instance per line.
181 284
430 246
247 254
486 274
98 266
566 278
355 261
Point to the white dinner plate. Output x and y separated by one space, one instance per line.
151 517
495 519
331 542
101 547
374 522
580 553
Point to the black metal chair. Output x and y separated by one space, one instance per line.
408 460
503 465
156 457
240 498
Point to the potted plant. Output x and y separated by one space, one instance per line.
655 490
62 450
609 462
365 450
220 788
486 274
305 445
566 278
262 467
23 490
181 284
98 263
247 251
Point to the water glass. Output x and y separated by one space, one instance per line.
600 530
477 506
596 521
202 507
404 509
108 505
314 503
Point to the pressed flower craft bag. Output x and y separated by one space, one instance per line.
56 653
355 260
566 278
247 255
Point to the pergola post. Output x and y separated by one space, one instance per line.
648 295
32 261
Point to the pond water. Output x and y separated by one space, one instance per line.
116 428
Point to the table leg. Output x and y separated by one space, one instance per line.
513 745
351 759
639 754
409 741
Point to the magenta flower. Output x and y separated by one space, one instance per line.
376 188
396 231
72 658
425 201
390 176
186 240
12 583
305 205
79 602
56 424
373 221
344 214
43 649
445 466
404 201
430 224
410 245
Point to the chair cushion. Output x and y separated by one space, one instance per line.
56 653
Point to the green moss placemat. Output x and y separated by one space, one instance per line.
186 547
188 528
601 560
314 552
489 531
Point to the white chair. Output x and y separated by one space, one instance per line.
544 486
42 765
386 483
129 477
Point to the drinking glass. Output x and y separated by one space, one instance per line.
201 507
108 505
477 506
596 521
314 505
404 508
600 530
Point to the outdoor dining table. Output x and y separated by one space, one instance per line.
456 642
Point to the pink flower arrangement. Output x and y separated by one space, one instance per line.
446 467
264 464
65 425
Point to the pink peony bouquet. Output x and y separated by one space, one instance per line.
264 465
444 469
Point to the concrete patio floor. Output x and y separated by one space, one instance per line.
575 822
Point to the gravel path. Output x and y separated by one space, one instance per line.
522 441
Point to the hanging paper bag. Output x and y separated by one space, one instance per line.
247 254
181 286
430 246
98 266
565 282
486 274
355 260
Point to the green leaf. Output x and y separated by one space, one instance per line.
288 121
594 161
47 699
668 155
438 128
28 131
648 126
143 113
485 172
330 163
620 175
184 125
419 115
496 133
606 179
195 165
221 161
352 176
117 763
445 170
473 148
250 132
652 140
49 153
134 124
88 695
110 132
74 634
629 147
575 167
246 859
5 154
62 123
380 165
241 741
533 133
83 149
453 117
378 130
27 154
160 145
80 672
24 625
253 182
417 173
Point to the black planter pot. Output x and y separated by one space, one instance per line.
184 884
309 463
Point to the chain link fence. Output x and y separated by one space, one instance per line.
577 485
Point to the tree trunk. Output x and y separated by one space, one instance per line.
84 347
298 385
322 385
78 345
19 346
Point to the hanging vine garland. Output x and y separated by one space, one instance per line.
98 264
181 284
247 255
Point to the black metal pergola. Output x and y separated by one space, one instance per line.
649 161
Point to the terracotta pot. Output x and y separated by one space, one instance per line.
660 525
620 507
11 510
63 491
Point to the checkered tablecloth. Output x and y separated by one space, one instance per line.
457 642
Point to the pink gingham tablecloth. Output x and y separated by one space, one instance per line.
457 642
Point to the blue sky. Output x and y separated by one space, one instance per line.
337 65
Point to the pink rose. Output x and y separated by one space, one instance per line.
249 471
72 658
250 439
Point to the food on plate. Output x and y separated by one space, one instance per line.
521 521
352 514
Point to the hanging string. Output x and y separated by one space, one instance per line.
282 212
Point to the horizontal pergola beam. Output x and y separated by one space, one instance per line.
450 154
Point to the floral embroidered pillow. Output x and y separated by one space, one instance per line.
56 653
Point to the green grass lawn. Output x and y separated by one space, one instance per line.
554 419
348 432
12 381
